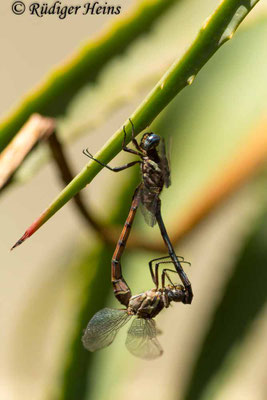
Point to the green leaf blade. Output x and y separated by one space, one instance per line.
244 298
54 94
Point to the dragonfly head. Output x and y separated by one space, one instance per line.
149 141
175 293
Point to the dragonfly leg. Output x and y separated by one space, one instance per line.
165 274
133 138
125 148
154 275
171 262
114 169
167 269
121 290
164 257
176 262
157 271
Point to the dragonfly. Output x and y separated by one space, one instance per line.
142 336
120 288
155 172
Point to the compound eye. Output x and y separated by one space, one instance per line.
171 295
177 295
151 141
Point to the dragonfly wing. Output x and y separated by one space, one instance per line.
142 339
164 163
148 206
148 215
103 327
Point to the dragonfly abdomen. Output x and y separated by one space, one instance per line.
121 289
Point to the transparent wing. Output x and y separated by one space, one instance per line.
148 215
148 206
164 163
103 327
142 339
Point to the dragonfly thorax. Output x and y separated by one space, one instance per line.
147 304
150 303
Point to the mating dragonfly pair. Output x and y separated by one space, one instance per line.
142 336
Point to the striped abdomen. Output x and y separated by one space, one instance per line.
120 287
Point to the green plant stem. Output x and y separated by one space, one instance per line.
216 30
53 96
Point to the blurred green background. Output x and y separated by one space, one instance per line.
52 285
